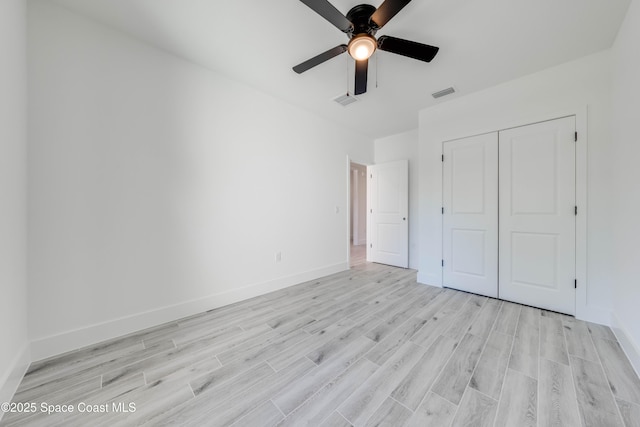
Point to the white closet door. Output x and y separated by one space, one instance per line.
388 213
470 215
537 218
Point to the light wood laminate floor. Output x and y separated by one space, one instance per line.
365 347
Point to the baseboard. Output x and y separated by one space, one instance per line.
362 242
631 348
13 376
594 315
45 347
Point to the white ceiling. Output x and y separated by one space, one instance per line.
482 43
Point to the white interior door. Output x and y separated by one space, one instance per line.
470 214
537 217
388 233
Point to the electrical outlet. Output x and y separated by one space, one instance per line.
278 256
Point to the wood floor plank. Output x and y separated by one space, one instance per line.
316 379
440 322
483 324
630 413
186 373
456 374
388 346
475 409
265 415
335 316
551 314
558 405
159 361
237 397
433 412
492 366
519 403
104 351
552 342
370 395
465 317
418 381
234 408
526 344
508 318
396 318
621 376
315 409
66 396
595 401
336 420
579 342
335 345
216 344
389 414
435 305
51 386
263 350
312 344
600 331
53 370
97 397
197 333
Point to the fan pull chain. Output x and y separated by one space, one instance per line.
376 70
347 74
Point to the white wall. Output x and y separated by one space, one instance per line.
159 188
626 184
567 88
399 147
14 355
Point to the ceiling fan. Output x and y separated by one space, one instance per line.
361 24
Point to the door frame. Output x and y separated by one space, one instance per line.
348 205
583 308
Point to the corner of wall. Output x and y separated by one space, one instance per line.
14 374
630 348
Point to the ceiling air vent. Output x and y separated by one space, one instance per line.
443 92
345 99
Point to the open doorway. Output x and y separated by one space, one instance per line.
358 217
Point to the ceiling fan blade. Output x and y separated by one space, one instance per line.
361 77
319 59
330 13
387 10
415 50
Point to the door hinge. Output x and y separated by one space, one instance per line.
371 245
443 157
442 263
442 210
575 284
576 210
370 210
575 137
371 176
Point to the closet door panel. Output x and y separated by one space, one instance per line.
536 215
470 214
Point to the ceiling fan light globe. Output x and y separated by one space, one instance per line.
361 47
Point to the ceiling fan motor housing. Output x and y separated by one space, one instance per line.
360 17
